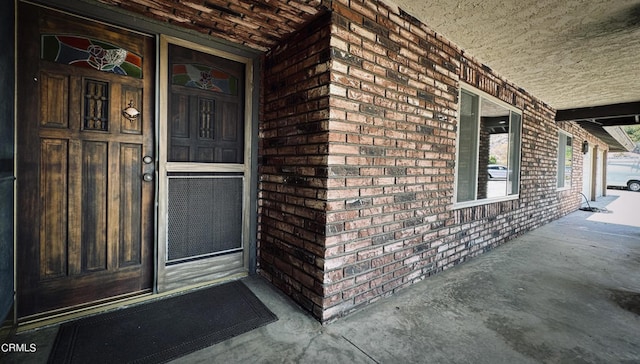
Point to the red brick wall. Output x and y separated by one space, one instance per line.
292 164
392 123
394 106
356 182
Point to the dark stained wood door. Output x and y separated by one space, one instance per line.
85 212
206 108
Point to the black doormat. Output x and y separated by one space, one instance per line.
163 330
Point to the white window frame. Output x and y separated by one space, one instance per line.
562 162
477 202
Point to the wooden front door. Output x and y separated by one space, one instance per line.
85 168
205 108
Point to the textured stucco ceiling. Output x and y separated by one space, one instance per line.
569 54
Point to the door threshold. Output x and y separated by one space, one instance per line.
56 317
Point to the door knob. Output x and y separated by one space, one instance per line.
147 177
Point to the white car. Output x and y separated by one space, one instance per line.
497 172
624 173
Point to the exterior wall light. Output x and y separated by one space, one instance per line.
585 147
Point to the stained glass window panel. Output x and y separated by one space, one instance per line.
204 78
86 52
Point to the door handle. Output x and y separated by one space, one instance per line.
147 177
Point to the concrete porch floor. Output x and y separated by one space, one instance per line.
568 292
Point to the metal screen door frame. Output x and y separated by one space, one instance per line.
180 274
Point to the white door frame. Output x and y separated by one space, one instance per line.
586 173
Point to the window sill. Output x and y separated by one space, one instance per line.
461 205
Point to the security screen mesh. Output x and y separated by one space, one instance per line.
205 216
